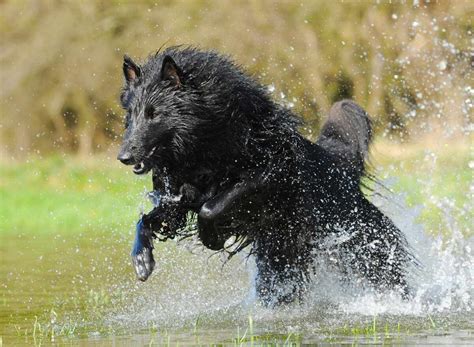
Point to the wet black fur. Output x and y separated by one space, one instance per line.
238 160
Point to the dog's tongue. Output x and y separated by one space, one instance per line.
140 168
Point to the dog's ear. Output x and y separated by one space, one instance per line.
131 71
170 71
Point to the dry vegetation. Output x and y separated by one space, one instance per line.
60 61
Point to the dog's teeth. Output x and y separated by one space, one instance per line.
139 168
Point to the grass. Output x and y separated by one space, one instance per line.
372 331
433 176
70 194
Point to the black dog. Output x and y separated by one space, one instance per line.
219 146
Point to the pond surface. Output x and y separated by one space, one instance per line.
78 289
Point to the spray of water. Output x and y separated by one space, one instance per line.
443 281
188 285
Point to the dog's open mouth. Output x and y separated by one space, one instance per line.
141 168
144 166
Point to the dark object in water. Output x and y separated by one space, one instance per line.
216 141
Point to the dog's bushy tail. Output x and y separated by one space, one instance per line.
347 134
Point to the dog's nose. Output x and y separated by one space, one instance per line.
125 157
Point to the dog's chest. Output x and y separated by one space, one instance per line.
201 178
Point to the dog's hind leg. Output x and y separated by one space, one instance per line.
283 263
380 251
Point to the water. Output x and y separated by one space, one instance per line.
81 288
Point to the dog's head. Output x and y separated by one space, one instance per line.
158 113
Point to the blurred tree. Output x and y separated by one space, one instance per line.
60 61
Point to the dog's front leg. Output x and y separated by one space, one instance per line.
164 219
142 251
213 210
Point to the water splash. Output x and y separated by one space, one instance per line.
443 283
187 286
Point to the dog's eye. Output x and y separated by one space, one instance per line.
149 112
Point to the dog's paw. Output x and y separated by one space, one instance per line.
142 256
143 264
